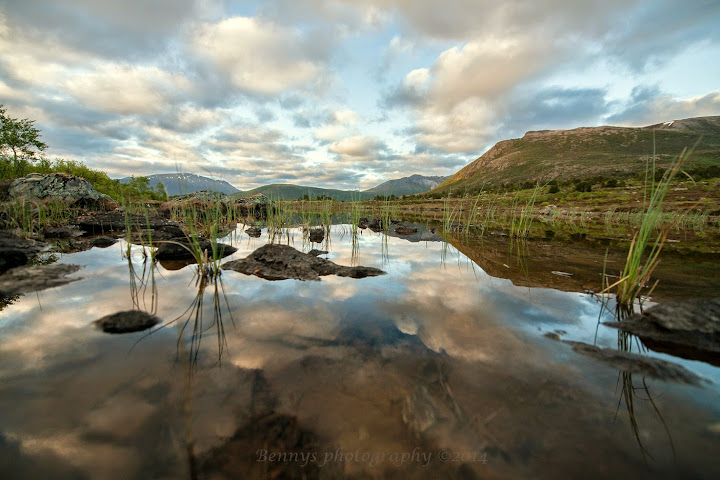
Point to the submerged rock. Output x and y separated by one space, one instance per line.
126 322
179 248
34 278
687 328
634 363
281 262
72 190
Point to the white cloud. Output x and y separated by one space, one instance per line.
258 56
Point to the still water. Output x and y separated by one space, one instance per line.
439 369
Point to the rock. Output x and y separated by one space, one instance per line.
103 222
376 225
255 205
254 232
405 230
314 252
641 364
67 231
72 190
179 248
548 210
102 242
317 235
34 278
687 328
200 200
126 322
363 222
16 251
281 262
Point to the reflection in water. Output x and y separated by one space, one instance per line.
428 357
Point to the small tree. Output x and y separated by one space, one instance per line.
21 137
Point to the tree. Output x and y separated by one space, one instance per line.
21 137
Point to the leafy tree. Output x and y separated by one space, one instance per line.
20 137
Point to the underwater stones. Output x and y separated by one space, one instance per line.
126 322
687 328
282 262
70 189
180 248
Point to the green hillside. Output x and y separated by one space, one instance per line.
582 153
286 191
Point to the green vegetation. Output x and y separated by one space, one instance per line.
21 138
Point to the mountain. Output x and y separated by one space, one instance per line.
587 152
179 183
407 185
287 191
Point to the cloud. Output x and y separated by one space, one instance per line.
649 105
258 56
360 146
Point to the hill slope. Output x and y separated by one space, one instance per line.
586 152
179 183
287 191
407 185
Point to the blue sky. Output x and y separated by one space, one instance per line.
343 93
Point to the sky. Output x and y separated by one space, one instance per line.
343 93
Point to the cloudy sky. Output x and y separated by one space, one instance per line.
343 93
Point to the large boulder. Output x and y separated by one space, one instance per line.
70 189
281 262
686 328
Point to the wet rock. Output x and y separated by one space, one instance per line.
687 328
317 235
254 232
405 230
16 251
180 248
376 225
314 252
634 363
34 278
67 231
255 205
281 262
126 322
102 242
72 190
105 222
363 222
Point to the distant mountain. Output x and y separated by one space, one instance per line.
407 185
287 191
586 152
180 183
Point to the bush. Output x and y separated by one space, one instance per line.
583 187
611 183
553 189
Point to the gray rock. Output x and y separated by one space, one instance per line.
317 235
254 232
67 231
254 205
281 262
405 230
34 278
687 328
634 363
16 251
104 222
72 190
103 242
126 322
179 248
